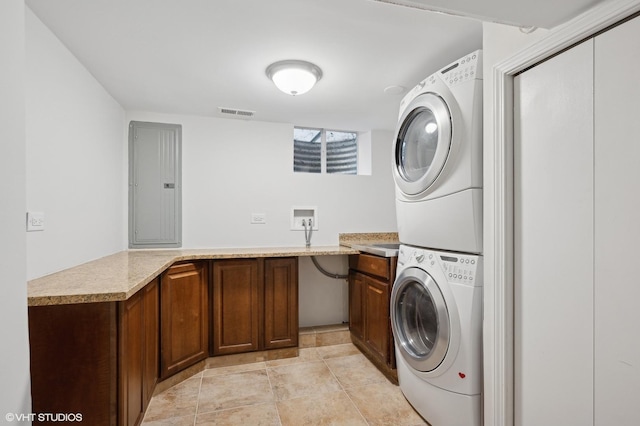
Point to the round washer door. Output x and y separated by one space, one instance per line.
420 319
422 143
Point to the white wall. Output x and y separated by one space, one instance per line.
499 43
15 389
74 131
232 168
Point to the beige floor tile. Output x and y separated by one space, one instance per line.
219 371
254 415
344 349
295 380
174 421
333 338
234 390
180 400
304 355
307 340
354 371
384 404
334 408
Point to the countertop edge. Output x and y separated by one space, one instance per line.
92 282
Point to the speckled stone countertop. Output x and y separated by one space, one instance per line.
119 276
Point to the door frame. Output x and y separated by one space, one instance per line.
499 202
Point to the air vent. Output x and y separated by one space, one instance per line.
236 112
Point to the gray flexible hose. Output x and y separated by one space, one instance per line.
326 273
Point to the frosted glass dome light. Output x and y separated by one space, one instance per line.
294 77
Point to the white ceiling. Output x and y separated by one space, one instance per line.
193 56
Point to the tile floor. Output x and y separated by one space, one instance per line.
325 385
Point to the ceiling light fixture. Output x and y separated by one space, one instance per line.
294 77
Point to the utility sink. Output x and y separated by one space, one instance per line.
379 249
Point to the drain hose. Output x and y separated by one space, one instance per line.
326 273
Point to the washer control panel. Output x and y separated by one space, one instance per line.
459 268
456 268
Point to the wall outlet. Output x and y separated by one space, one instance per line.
258 218
35 221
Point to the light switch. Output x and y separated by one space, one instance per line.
35 221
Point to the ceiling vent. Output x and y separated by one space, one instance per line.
238 113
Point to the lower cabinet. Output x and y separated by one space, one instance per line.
255 304
103 360
237 286
138 353
184 316
370 281
281 303
73 356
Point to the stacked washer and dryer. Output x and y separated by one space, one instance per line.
436 301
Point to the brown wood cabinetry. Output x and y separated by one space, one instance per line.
370 281
255 304
236 306
184 314
138 353
281 303
74 360
103 360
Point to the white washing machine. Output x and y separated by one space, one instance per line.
438 159
436 317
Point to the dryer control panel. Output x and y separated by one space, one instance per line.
465 69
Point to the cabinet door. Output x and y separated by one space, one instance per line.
151 339
236 306
281 303
376 317
184 316
356 304
132 360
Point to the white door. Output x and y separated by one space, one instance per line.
553 231
422 143
617 225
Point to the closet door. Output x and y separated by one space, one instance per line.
553 230
617 220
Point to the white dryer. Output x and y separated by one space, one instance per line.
436 318
438 159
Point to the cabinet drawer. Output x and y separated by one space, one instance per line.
369 264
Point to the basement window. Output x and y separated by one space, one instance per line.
325 151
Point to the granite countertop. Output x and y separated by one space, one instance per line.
119 276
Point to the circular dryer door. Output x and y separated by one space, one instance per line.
420 319
422 143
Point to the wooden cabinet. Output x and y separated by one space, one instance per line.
236 306
74 360
281 303
138 353
184 316
370 281
255 305
356 304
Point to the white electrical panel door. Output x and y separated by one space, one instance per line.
155 215
617 225
553 235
